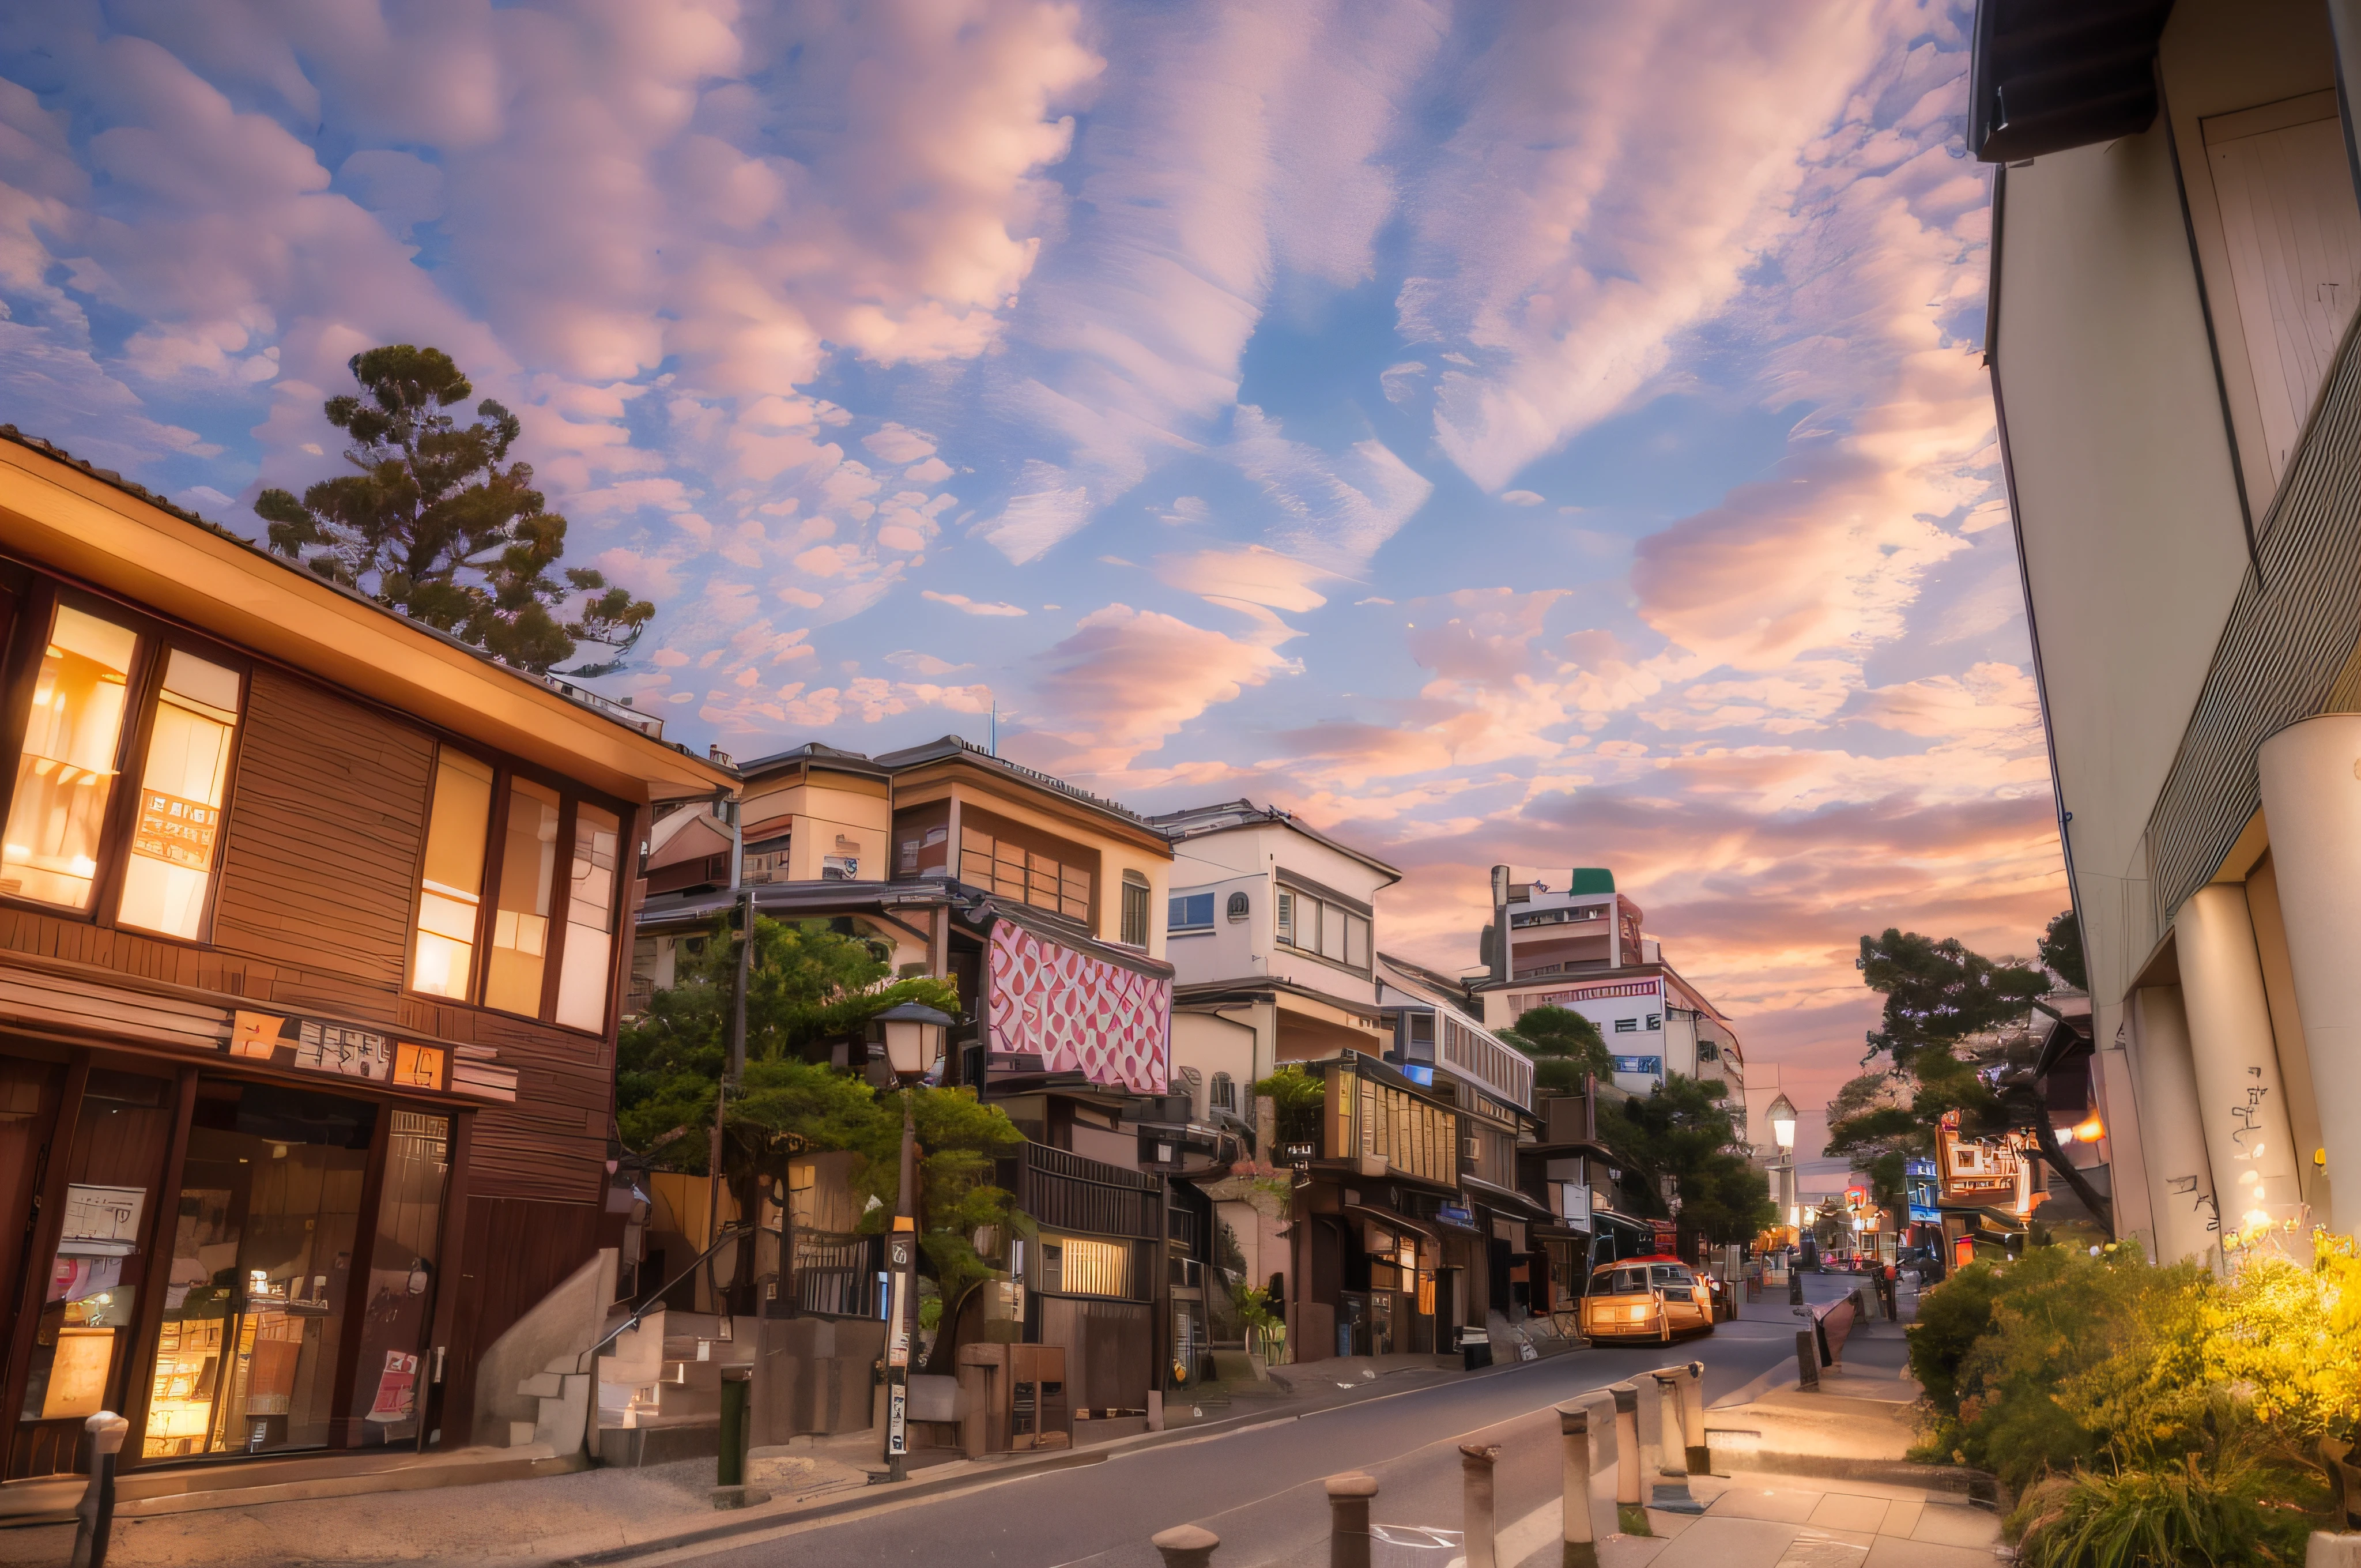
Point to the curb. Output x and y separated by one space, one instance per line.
1980 1488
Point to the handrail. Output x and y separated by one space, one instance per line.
730 1235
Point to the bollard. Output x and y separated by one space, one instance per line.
1808 1360
1794 1288
1581 1548
1349 1519
1693 1420
1672 1491
730 1467
1671 1459
1186 1546
94 1514
1629 1512
1475 1501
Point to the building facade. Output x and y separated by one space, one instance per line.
312 930
1044 906
2177 244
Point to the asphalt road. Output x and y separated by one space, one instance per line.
1259 1487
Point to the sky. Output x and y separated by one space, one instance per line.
1551 433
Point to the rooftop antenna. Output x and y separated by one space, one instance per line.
995 726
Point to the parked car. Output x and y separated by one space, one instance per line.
1646 1301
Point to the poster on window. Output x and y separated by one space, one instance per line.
100 1222
397 1389
1111 1023
177 831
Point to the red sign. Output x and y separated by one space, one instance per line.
1668 1237
1856 1197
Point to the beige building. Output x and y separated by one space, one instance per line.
2177 250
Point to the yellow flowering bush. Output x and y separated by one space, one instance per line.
2288 1339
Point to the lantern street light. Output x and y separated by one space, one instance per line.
1783 1123
910 1036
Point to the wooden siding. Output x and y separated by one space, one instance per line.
322 845
321 850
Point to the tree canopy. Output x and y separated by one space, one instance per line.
1939 992
1684 1130
1565 1047
438 524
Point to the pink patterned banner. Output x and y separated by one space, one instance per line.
1111 1023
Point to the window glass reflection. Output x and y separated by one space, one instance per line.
65 776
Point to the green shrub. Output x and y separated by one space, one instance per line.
1951 1317
2226 1510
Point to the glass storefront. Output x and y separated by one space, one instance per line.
276 1293
257 1287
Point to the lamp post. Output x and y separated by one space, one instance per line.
909 1035
1782 1132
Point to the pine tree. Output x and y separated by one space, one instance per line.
438 524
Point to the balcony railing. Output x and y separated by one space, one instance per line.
1067 1191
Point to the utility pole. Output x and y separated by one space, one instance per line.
725 806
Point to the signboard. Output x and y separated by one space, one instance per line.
1454 1214
1653 1067
102 1222
1668 1236
1574 1204
898 1250
897 1417
344 1050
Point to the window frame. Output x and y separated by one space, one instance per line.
1186 927
1296 901
571 798
38 597
1135 890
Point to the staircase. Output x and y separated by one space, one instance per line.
659 1388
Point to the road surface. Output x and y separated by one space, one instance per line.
1259 1487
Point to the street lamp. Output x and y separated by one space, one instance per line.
1783 1123
911 1037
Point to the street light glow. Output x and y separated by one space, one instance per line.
1783 1123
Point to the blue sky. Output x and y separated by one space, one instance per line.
1543 434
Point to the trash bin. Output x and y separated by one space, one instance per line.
1474 1349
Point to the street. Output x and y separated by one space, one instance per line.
1259 1487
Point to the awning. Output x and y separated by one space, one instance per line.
2047 75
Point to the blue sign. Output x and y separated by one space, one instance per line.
1921 1214
1454 1214
1419 1074
1653 1065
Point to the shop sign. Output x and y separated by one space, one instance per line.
1667 1237
1653 1067
310 1045
1455 1214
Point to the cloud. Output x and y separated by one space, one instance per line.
1560 253
1126 680
1521 497
973 607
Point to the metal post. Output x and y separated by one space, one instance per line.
1580 1547
94 1514
730 1468
1186 1546
1349 1519
1700 1455
1808 1360
1477 1519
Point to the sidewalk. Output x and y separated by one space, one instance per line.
615 1514
1755 1521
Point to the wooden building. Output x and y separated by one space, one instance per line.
313 923
1045 906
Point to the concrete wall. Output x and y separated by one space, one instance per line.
562 1328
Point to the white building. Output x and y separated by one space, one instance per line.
2176 259
1582 949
